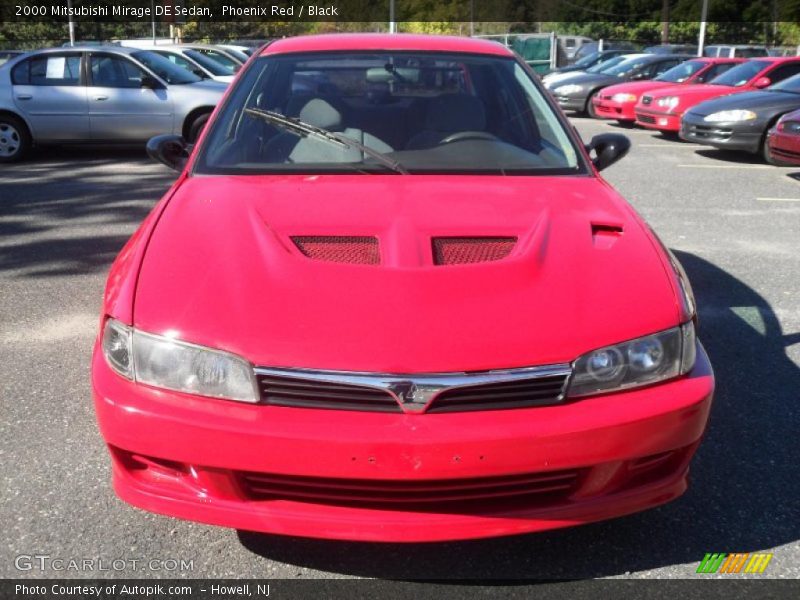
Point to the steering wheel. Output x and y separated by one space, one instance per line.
468 135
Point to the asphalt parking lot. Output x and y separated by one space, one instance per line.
733 221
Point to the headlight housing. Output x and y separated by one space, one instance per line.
623 97
792 127
668 102
168 363
730 116
570 88
635 363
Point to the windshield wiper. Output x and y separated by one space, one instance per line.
304 129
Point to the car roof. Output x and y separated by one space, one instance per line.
86 48
383 41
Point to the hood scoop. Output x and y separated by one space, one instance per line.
469 250
361 250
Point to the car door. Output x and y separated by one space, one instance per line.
121 108
49 90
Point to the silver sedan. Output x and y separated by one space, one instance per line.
105 94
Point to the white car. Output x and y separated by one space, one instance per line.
198 63
107 94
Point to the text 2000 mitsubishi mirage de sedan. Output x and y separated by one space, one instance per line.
396 303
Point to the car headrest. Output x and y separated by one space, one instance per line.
456 112
320 113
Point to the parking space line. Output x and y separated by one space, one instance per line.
778 199
727 166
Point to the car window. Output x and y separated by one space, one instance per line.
208 63
783 72
607 65
627 66
169 72
662 67
114 71
431 112
791 84
751 52
681 72
219 57
49 69
740 74
714 71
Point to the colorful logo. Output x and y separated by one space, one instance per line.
738 562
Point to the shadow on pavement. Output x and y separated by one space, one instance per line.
742 497
69 210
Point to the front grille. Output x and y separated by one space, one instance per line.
647 100
436 494
467 250
308 393
710 133
341 249
645 118
496 396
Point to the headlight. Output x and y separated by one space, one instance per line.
668 102
635 363
568 89
174 365
622 98
730 115
792 127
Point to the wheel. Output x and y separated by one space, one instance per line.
196 128
15 141
590 106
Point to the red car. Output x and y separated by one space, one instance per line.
618 101
402 307
663 108
783 140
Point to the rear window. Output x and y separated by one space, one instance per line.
50 69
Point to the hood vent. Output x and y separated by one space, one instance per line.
468 250
360 250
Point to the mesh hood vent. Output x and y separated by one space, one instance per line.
341 249
467 250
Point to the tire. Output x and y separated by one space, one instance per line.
196 128
590 106
15 141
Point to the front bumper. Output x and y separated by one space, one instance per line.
784 147
606 108
659 121
372 476
573 103
729 136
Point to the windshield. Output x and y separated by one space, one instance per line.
681 72
169 72
588 61
626 66
791 85
741 74
209 64
398 112
603 67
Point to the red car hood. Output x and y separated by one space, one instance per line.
222 270
635 87
692 94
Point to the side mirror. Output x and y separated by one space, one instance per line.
200 73
608 149
170 150
150 82
762 82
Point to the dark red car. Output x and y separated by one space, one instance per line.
618 101
403 307
662 109
783 140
